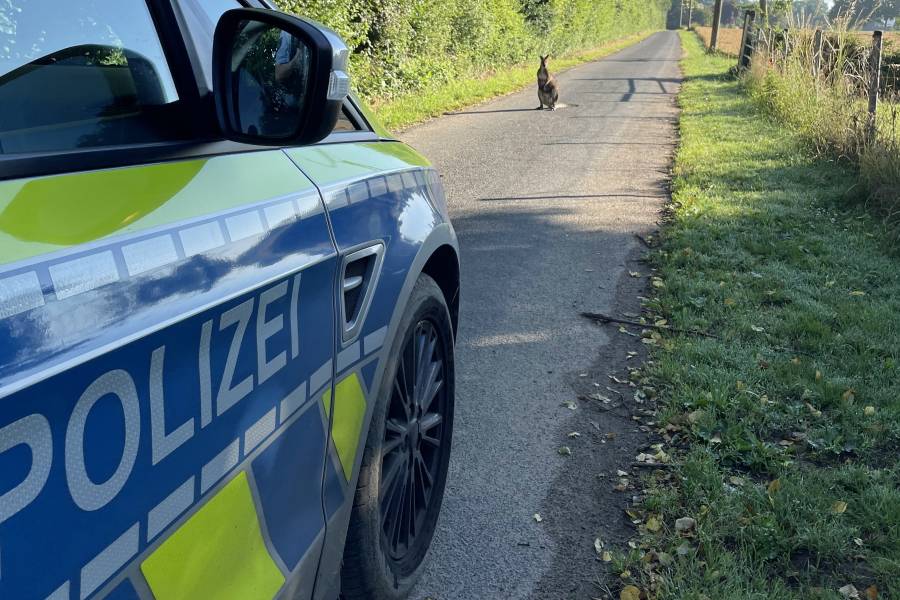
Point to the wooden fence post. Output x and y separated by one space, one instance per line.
787 45
874 83
717 19
746 47
817 53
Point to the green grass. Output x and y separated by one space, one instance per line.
785 432
424 104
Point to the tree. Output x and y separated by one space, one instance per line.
862 11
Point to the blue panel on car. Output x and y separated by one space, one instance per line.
368 374
334 487
123 591
291 501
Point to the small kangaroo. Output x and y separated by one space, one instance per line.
548 89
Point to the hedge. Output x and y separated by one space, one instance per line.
400 46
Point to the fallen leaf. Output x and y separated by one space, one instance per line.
538 517
685 524
857 293
634 274
570 404
839 507
606 556
872 592
653 524
818 375
695 416
630 592
598 545
869 411
858 541
813 410
565 451
757 329
574 434
736 481
729 302
715 439
661 323
849 591
621 473
773 486
849 395
658 283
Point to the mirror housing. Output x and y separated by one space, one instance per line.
278 80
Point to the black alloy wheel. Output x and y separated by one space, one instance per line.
413 440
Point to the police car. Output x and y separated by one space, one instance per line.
228 301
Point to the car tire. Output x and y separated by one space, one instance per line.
378 564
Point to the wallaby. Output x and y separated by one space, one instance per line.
548 89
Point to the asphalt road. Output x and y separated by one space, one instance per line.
547 205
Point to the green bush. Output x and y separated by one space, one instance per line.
400 46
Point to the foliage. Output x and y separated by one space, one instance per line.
861 11
784 428
401 46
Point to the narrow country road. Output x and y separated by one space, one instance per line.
547 205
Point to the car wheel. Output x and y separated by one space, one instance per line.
404 467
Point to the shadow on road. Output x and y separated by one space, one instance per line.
487 112
572 197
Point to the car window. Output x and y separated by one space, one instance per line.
201 17
345 122
82 74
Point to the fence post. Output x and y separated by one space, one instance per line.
787 45
817 53
746 48
874 83
717 19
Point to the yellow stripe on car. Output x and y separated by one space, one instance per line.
218 553
346 427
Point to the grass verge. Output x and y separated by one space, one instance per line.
425 104
784 430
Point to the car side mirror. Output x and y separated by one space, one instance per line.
277 80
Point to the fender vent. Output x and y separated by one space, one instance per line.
359 276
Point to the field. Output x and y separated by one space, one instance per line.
730 38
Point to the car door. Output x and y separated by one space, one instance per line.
387 210
166 320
